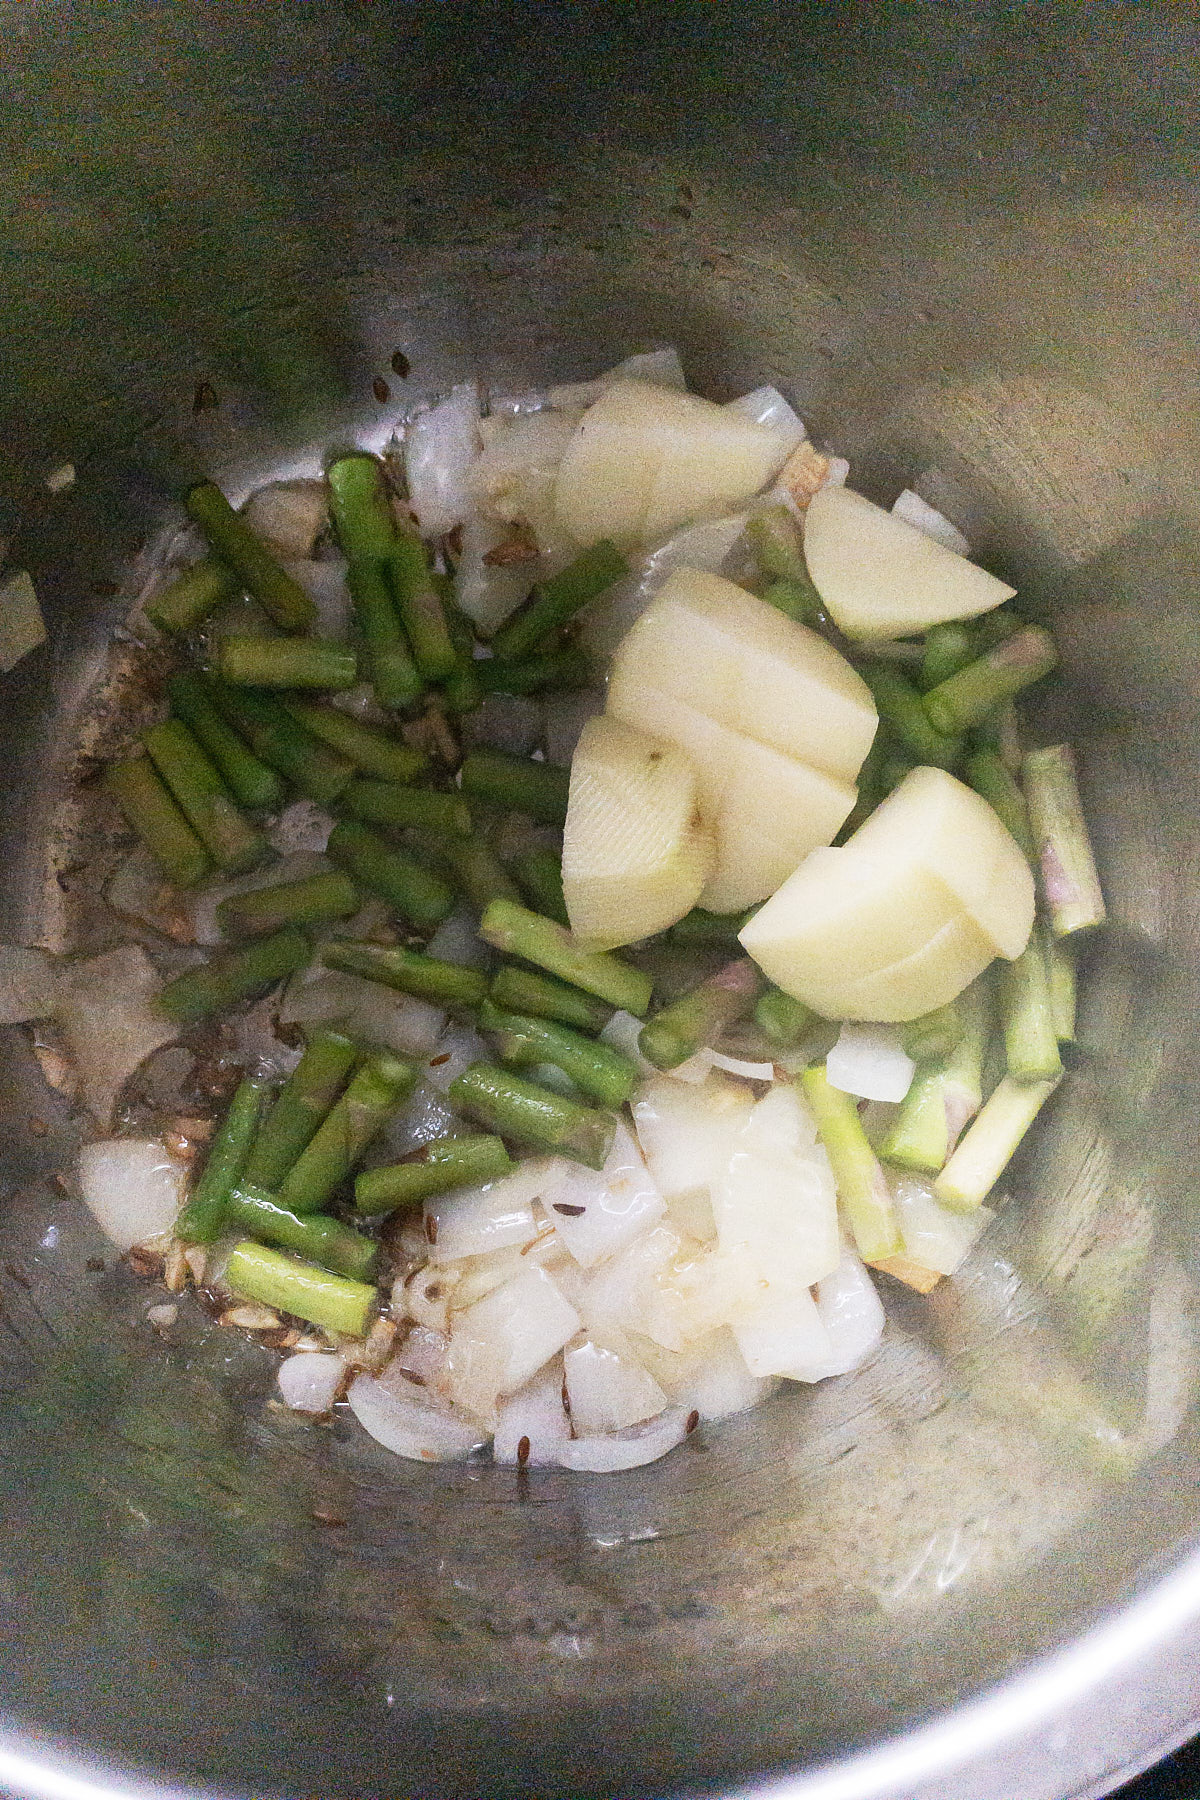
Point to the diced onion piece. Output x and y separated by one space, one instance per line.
597 1212
697 1067
629 1292
407 1427
488 592
740 1065
325 585
928 519
419 1363
424 1116
870 1061
309 1381
289 516
371 1012
439 447
607 1391
471 1221
456 940
533 1418
297 867
498 1344
712 1378
934 1236
458 1046
692 1214
22 627
627 1449
784 1334
706 546
132 1187
515 471
767 406
302 826
662 367
851 1313
687 1134
777 1201
106 1010
27 985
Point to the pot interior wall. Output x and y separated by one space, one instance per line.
963 241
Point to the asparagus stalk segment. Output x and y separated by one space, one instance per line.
989 775
569 668
343 1135
525 991
985 1151
187 601
233 976
861 1183
303 1103
949 647
1060 972
369 749
283 743
998 675
520 1109
462 690
275 1279
777 544
1064 851
797 600
249 660
315 1236
599 1072
900 708
249 779
231 841
557 600
203 1216
782 1020
315 900
229 534
446 1164
419 609
415 892
699 1017
149 808
540 874
361 508
398 808
702 927
1030 1037
518 784
394 674
518 932
477 871
945 1093
410 972
934 1034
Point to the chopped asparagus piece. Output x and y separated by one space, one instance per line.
416 892
699 1017
410 972
419 609
387 803
599 1072
984 1152
998 675
934 1034
949 647
283 743
861 1183
782 1020
1030 1038
901 710
540 875
315 1236
303 1103
361 508
1064 851
445 1165
1060 971
344 1134
368 748
518 932
315 900
232 976
149 808
945 1093
187 601
247 660
526 991
202 1217
250 780
521 1109
394 675
297 1287
569 668
231 841
989 776
229 534
518 784
556 601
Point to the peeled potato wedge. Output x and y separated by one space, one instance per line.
740 661
635 857
644 459
882 578
766 811
906 914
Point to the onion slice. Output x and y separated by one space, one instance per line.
409 1428
641 1444
132 1187
532 1429
309 1381
871 1062
439 447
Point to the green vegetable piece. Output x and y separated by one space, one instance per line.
419 609
409 972
315 1236
934 1034
540 875
556 601
246 660
517 784
232 976
249 779
561 669
946 1092
416 893
521 1109
797 600
1060 972
782 1020
314 900
702 927
515 931
525 991
988 775
446 1164
157 820
232 842
203 1216
398 808
361 508
187 601
698 1018
284 599
1030 1036
984 1152
901 709
368 748
998 675
1070 883
525 1041
861 1183
394 674
303 1103
283 743
340 1140
274 1279
949 647
775 539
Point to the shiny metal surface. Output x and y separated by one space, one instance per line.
963 239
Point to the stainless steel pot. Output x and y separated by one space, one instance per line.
963 238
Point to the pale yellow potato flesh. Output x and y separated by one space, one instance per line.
906 914
644 459
882 578
766 811
635 857
742 662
